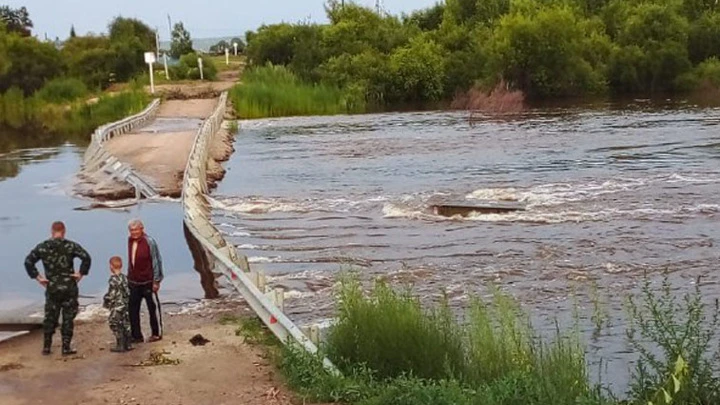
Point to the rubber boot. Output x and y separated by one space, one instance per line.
119 345
127 343
47 344
66 349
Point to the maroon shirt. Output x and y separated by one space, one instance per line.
141 272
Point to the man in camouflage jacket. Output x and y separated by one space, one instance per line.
117 301
60 282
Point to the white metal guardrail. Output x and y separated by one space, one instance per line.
98 158
227 261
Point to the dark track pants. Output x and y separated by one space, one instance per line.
137 293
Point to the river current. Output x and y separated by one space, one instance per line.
610 194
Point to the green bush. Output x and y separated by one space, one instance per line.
706 75
188 68
62 90
681 328
15 109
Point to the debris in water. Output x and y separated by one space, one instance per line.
198 340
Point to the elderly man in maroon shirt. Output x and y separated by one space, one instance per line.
144 276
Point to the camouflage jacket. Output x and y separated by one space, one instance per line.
57 255
118 296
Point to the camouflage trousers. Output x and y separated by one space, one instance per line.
119 321
63 302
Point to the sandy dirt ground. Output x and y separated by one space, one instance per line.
159 158
192 108
224 371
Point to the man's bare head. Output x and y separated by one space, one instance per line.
57 230
136 228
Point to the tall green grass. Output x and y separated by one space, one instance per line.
396 352
37 114
83 118
392 351
274 91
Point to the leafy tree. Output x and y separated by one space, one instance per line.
181 42
354 29
418 71
367 74
33 63
542 53
470 12
91 59
123 29
129 40
219 48
272 44
428 19
5 62
653 54
16 20
240 46
704 37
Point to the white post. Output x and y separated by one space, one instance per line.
200 66
150 59
227 56
167 73
157 43
235 45
152 81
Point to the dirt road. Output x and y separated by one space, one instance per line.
223 371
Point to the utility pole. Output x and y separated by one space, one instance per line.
157 43
169 26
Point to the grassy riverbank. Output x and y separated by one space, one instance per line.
37 114
392 351
274 91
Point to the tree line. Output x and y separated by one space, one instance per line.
96 61
544 48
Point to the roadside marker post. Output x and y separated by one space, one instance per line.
150 59
227 56
200 66
235 44
167 73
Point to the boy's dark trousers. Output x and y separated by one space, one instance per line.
137 293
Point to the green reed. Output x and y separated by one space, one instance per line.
274 91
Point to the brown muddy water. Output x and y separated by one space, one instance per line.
611 193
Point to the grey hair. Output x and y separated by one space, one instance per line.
135 223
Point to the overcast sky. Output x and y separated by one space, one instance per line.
220 18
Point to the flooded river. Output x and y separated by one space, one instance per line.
35 190
610 194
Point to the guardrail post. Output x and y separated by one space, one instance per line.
315 334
